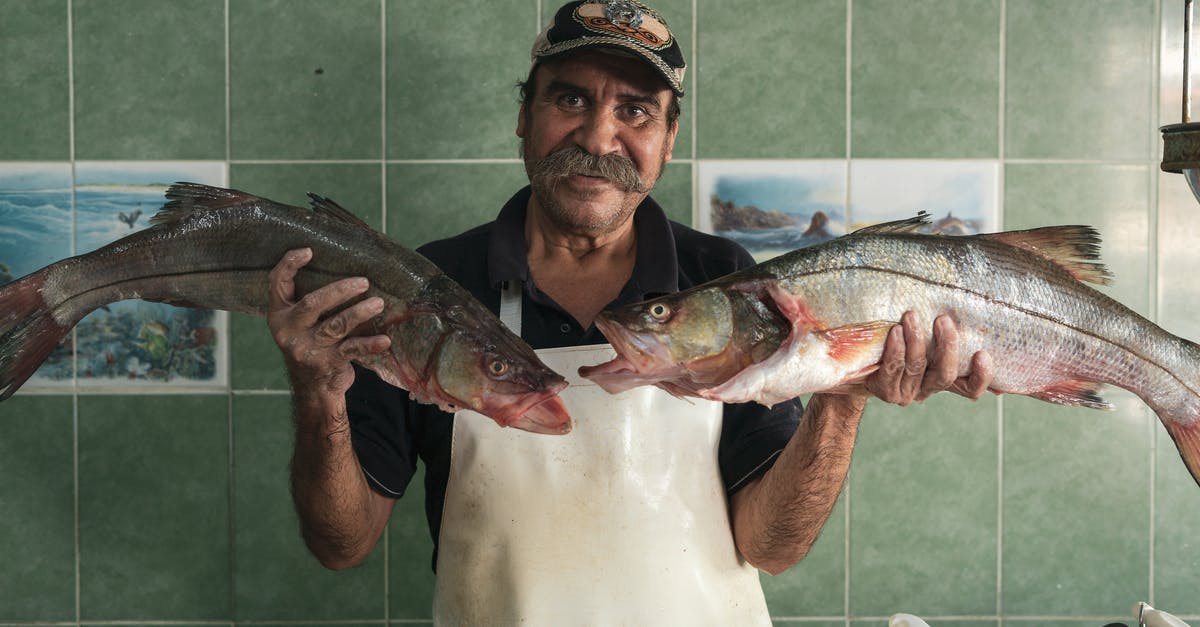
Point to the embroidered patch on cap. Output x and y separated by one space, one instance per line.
625 18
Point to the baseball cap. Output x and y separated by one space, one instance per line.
622 26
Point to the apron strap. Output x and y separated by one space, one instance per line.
510 305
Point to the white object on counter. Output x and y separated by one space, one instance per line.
906 620
1150 617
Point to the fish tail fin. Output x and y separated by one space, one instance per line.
1187 440
28 331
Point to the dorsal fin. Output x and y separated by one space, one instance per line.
909 225
1076 248
185 198
324 205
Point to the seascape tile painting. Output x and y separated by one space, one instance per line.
961 197
128 344
35 231
772 207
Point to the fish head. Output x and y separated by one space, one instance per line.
685 342
502 379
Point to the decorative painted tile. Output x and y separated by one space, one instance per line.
772 207
138 343
35 209
926 79
149 79
959 196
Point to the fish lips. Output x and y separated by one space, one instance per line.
542 413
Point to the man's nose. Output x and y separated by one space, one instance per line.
598 133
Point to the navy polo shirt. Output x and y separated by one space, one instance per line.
390 432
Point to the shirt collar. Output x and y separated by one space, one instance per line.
656 270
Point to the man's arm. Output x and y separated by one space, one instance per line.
776 518
341 517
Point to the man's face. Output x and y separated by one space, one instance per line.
606 106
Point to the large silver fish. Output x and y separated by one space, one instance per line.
212 247
816 320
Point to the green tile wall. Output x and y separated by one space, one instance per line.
174 508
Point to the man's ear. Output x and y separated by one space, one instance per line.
521 121
671 133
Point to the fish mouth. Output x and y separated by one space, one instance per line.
640 360
641 351
548 416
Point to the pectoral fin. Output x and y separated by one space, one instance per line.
852 342
1075 393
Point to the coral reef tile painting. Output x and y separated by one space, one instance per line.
128 344
772 207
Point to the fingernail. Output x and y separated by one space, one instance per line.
361 283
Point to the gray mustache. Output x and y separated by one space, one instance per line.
575 160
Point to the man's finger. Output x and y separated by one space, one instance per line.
354 347
980 378
885 383
914 357
943 362
337 327
309 309
282 278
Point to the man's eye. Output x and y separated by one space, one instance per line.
571 100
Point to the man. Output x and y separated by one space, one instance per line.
653 509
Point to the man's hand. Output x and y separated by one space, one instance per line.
907 373
318 352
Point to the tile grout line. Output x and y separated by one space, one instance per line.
1001 105
383 111
228 101
232 500
383 214
1155 295
849 120
697 206
74 356
230 450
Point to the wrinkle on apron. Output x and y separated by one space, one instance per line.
624 521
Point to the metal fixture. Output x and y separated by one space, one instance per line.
1181 142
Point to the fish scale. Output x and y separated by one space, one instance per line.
1017 295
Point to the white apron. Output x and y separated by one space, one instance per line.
624 521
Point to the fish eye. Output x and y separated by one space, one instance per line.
660 312
498 368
